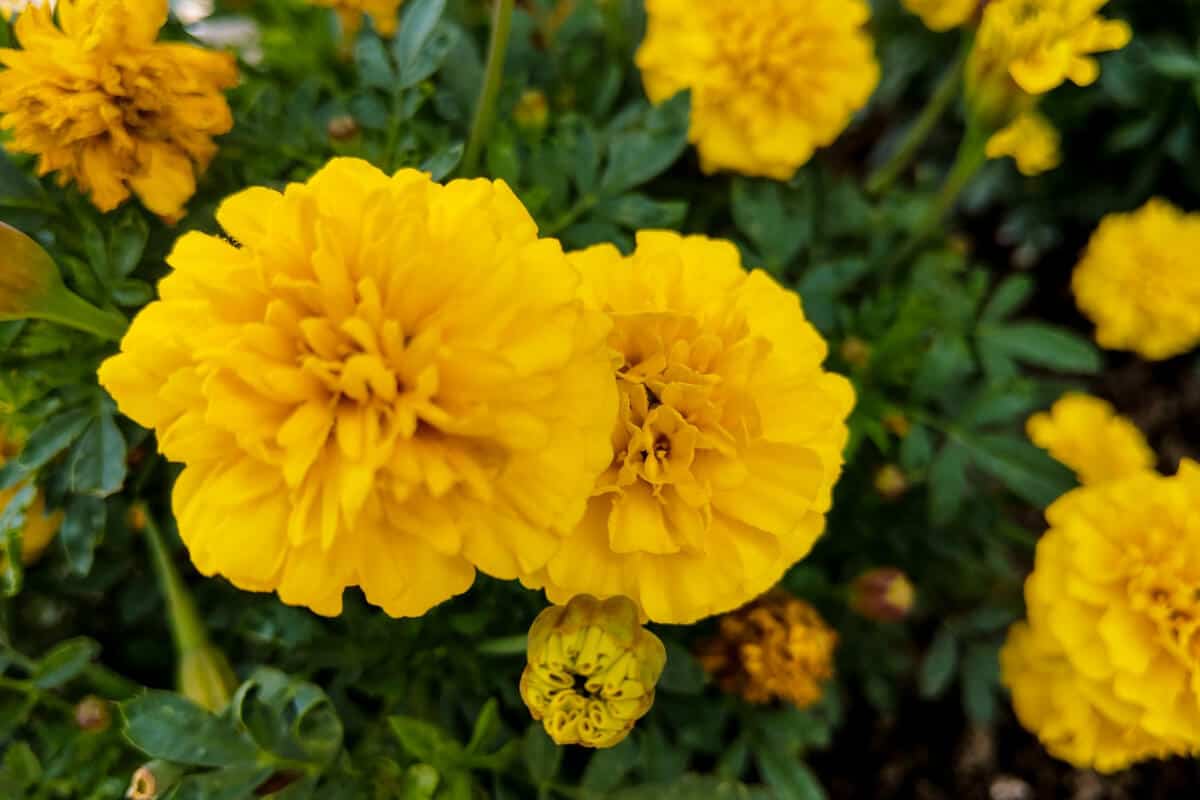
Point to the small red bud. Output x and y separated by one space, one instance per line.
891 482
884 594
93 714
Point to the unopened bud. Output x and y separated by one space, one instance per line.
136 518
206 678
897 423
153 780
890 482
884 594
342 127
93 714
532 111
856 352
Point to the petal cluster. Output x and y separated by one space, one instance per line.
375 381
350 13
728 440
1031 141
1107 670
776 648
1086 434
942 15
771 81
1138 283
591 670
105 106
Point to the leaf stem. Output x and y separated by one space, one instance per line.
69 309
187 629
489 94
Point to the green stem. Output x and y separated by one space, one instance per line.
69 309
947 90
109 683
485 112
186 627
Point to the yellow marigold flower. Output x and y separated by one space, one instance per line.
104 105
1089 436
777 647
1039 44
942 15
729 437
1137 281
771 81
591 670
40 527
350 13
1031 141
382 382
1108 671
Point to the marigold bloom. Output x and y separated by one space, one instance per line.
777 647
1031 141
1137 281
389 383
1108 670
1089 436
105 106
771 81
591 671
942 15
729 437
40 527
1039 44
383 14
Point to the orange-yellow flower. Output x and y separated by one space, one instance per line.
350 14
380 381
942 15
104 105
1089 436
729 437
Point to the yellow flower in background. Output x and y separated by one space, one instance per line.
350 14
1031 141
771 81
106 107
591 670
729 437
1039 44
385 382
1114 617
10 8
776 648
1086 434
942 15
40 527
1137 281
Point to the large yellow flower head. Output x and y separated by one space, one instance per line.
729 437
776 648
1108 670
40 527
771 80
105 106
1031 141
1089 436
1039 44
382 382
350 13
1138 283
942 15
591 670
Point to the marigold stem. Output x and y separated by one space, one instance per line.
187 629
489 94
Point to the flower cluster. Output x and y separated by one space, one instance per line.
591 670
1107 669
1138 284
775 648
771 81
1087 435
350 14
105 106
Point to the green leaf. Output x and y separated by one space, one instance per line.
167 726
81 530
288 717
97 464
916 449
638 212
1172 59
638 154
126 243
981 680
487 726
410 45
425 741
542 756
777 220
788 776
64 663
948 483
682 673
1008 298
607 768
1043 346
54 436
444 161
231 783
1026 470
940 664
374 66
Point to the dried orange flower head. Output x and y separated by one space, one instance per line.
591 670
104 105
776 648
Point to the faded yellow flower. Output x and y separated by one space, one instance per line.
104 105
942 15
1108 670
1137 281
771 81
350 14
729 437
384 383
776 648
591 670
1089 436
1031 141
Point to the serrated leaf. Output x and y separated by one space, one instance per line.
416 29
374 66
776 219
1026 470
97 463
54 436
641 153
444 161
82 527
167 726
1044 346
